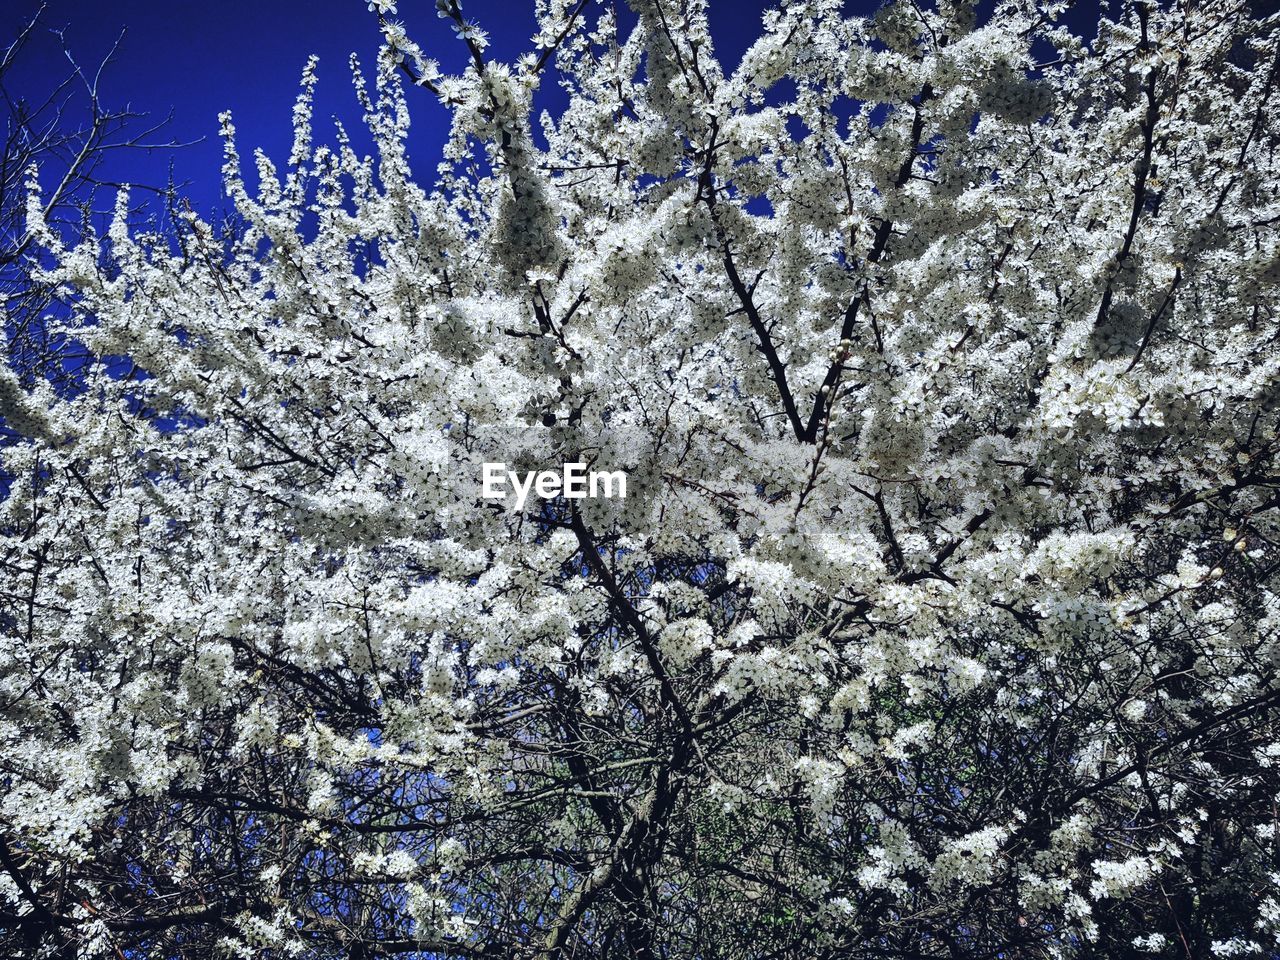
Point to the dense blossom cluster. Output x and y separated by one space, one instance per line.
939 619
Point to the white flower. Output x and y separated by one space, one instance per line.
471 32
1134 710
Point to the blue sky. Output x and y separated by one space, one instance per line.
197 59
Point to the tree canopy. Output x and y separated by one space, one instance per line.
939 619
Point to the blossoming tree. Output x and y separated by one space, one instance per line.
939 619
